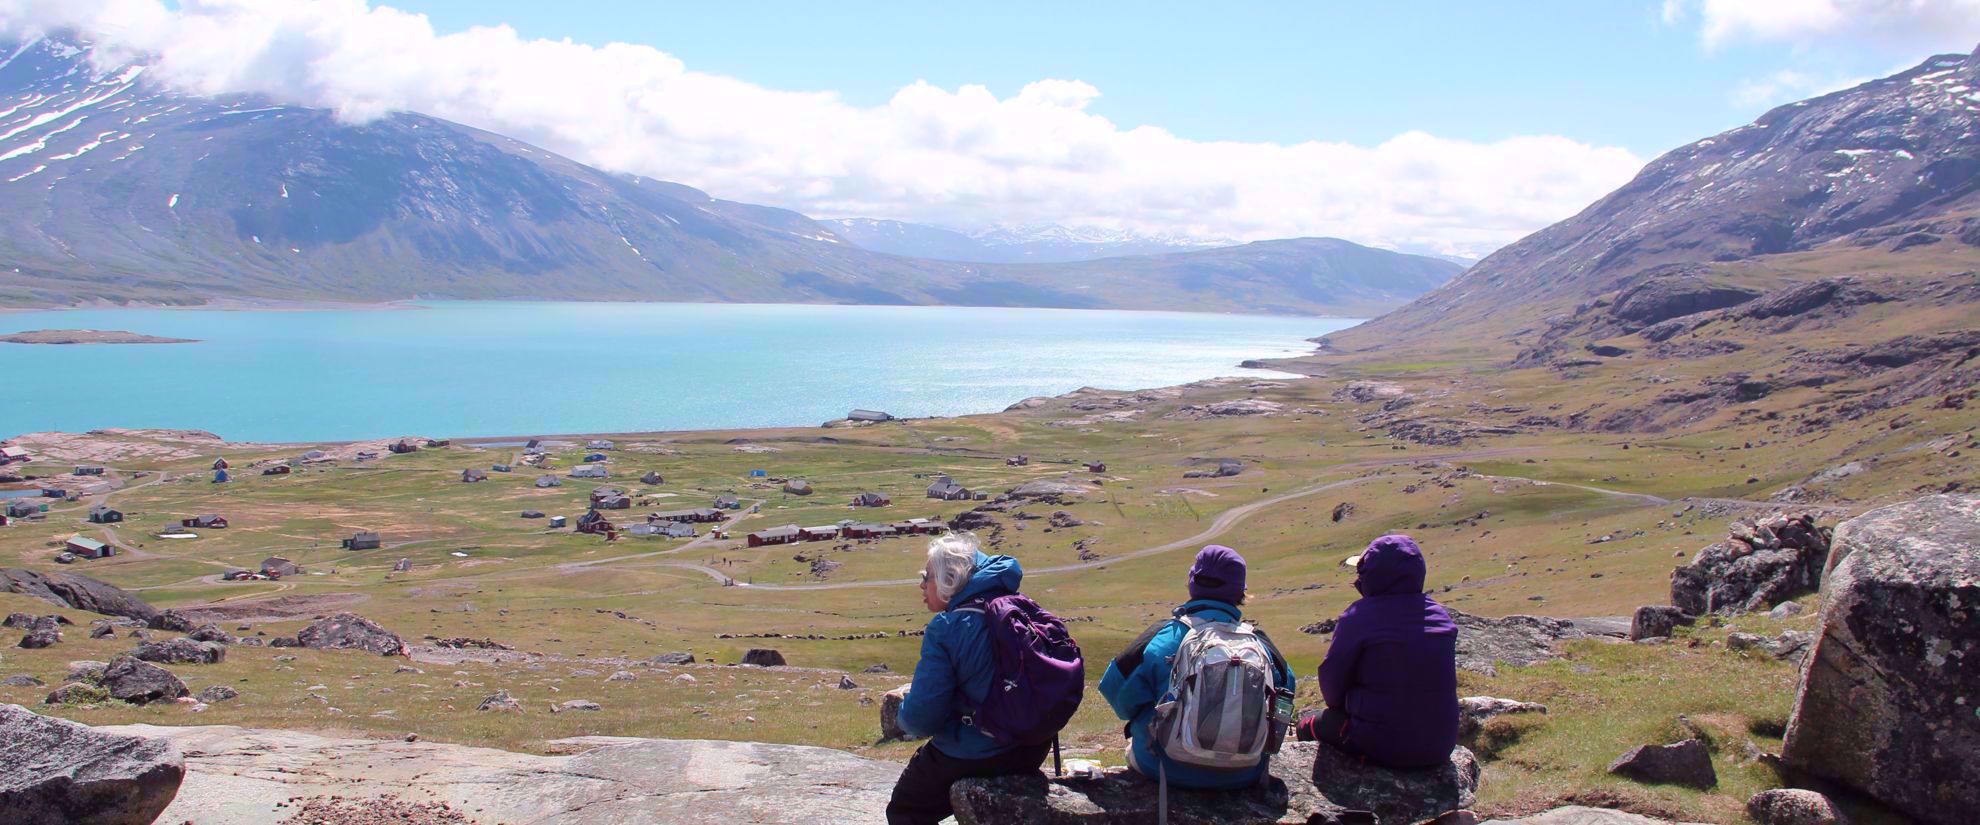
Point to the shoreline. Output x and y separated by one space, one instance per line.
419 304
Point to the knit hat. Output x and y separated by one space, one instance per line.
1217 574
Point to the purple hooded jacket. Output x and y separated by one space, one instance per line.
1392 667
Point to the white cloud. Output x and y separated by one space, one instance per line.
1787 86
1915 26
952 156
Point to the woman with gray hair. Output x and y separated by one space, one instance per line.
953 677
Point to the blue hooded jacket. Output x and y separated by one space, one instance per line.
1133 694
1392 667
956 666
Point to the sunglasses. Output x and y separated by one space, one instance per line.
924 577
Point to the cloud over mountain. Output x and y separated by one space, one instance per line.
948 156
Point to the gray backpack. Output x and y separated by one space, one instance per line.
1224 710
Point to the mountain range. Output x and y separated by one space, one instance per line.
117 189
1034 243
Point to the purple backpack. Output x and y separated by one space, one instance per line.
1037 678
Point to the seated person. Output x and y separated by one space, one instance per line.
954 674
1138 678
1390 677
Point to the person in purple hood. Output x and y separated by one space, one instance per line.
1390 677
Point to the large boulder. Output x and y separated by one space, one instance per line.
763 657
1760 564
181 651
174 621
1793 806
349 630
890 713
140 682
1653 620
1886 702
1514 640
1310 783
212 633
57 772
79 592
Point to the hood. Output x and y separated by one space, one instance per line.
994 576
1392 566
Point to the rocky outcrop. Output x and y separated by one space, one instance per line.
763 657
211 633
140 682
1582 815
1662 297
217 693
79 592
1654 620
1793 806
1760 564
1475 711
1886 701
237 775
349 630
174 621
1514 640
57 772
181 651
1685 763
1046 489
1310 783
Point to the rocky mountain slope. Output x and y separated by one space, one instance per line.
1891 165
1042 243
119 189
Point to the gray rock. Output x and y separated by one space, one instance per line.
1793 646
1897 659
1684 763
211 633
18 621
1473 711
847 683
83 670
351 631
1656 620
1784 610
103 631
1581 815
763 657
1745 641
38 639
79 592
673 659
1759 565
501 700
622 676
1793 806
890 713
174 621
879 668
141 682
21 680
1519 641
1310 783
576 704
57 772
217 693
181 651
78 693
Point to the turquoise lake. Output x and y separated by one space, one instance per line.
463 369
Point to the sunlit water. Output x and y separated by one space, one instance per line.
458 369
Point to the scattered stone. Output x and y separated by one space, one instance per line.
1062 519
1897 659
1514 640
22 680
1685 763
500 700
1473 711
83 670
1342 511
1793 806
763 657
211 633
38 639
673 659
57 772
1656 620
1315 783
1784 610
174 621
622 676
140 682
349 630
78 693
890 713
1582 815
18 621
685 679
103 631
576 704
217 693
1745 641
847 683
181 651
879 668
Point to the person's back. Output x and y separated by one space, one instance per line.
1392 666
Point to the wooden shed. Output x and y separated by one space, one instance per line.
363 540
105 514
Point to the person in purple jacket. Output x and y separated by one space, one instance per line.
1390 676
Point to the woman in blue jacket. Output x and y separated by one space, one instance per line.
953 676
1138 678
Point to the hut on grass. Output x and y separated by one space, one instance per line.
652 477
798 487
105 514
363 540
89 548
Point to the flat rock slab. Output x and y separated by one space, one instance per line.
1579 815
237 775
56 772
1311 783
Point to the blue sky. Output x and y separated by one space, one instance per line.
1611 72
1452 127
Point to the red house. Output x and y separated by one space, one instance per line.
208 521
775 535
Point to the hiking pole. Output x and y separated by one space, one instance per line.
1058 769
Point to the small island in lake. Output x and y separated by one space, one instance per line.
87 336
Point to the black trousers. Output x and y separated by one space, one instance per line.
921 796
1329 726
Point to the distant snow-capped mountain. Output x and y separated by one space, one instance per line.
1027 243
